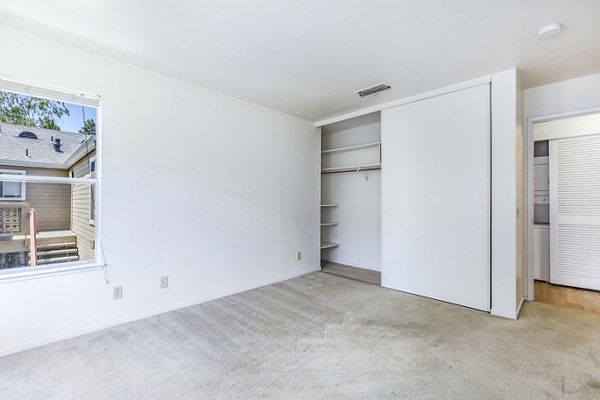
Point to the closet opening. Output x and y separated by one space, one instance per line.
564 201
351 198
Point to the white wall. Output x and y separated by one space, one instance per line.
520 154
357 193
566 96
214 192
507 195
580 125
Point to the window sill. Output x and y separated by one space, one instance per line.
24 273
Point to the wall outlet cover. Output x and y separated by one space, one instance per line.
299 256
117 292
164 282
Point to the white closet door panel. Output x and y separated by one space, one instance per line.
436 197
575 211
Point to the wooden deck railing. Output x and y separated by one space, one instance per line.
13 217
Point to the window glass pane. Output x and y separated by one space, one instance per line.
44 135
11 189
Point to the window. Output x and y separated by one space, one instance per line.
49 147
12 191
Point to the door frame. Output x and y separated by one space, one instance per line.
529 181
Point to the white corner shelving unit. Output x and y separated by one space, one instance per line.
328 245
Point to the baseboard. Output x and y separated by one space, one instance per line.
110 324
504 313
520 306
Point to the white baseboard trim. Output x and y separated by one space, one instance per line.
110 324
504 313
520 306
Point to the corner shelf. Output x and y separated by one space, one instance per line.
328 245
368 146
329 205
329 223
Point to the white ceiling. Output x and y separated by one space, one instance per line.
307 57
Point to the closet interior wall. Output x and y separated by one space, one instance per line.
351 211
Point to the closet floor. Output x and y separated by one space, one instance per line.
359 274
568 297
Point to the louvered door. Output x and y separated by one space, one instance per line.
575 211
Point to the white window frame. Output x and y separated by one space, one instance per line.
23 195
9 84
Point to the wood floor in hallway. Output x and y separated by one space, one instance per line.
568 297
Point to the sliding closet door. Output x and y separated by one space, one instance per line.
436 197
575 211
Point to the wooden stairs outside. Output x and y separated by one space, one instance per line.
57 250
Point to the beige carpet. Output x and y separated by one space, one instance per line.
320 336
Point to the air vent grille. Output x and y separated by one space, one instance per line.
373 89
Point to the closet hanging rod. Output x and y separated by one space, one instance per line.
361 168
367 146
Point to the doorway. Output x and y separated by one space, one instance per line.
564 210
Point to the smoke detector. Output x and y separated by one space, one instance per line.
373 90
549 31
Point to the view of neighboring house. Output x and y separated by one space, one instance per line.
64 213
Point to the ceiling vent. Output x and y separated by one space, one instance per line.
373 89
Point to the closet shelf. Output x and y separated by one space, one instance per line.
357 168
329 205
367 146
328 245
329 223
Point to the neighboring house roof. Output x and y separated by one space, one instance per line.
26 151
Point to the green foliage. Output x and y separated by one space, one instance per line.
89 128
18 109
47 123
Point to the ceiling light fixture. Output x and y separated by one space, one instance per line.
549 31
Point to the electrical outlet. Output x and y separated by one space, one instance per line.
299 256
164 282
117 292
